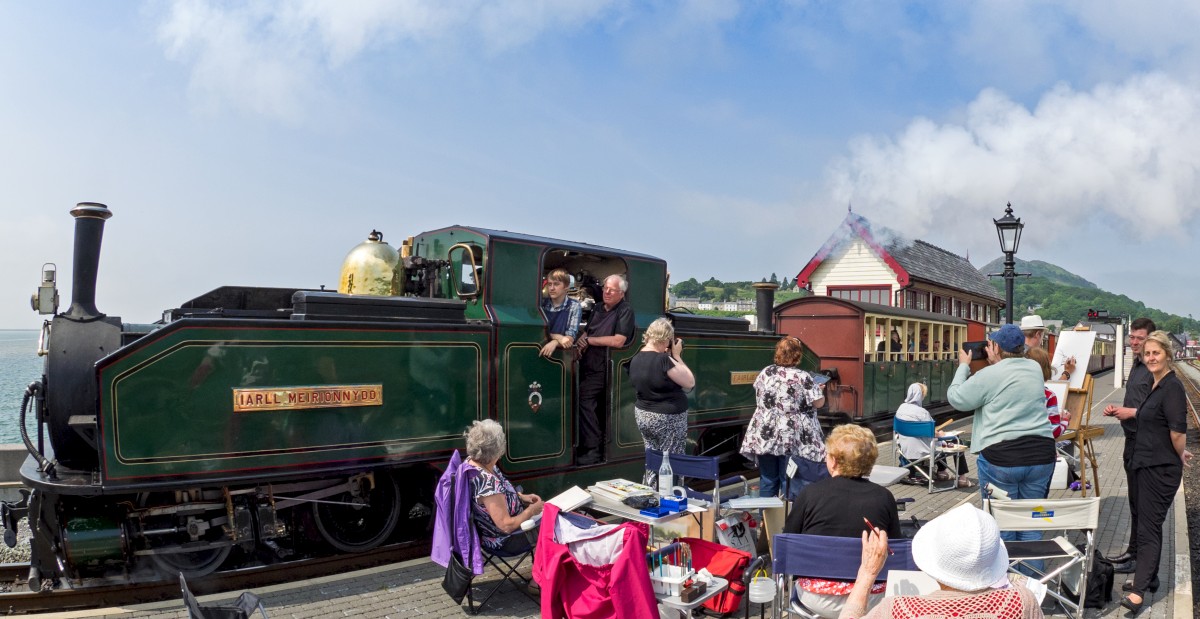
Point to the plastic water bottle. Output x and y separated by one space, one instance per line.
666 477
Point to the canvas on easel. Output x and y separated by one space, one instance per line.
1082 433
1076 344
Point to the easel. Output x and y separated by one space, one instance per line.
1081 433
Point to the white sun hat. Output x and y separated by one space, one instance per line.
1029 323
962 549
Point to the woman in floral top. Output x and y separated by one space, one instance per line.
496 507
785 421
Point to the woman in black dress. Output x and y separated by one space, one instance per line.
1157 462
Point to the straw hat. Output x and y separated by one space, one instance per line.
962 549
1032 323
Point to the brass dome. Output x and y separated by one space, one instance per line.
372 268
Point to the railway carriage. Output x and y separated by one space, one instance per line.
869 378
257 419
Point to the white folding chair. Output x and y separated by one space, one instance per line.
1069 566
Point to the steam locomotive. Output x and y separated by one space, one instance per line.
253 421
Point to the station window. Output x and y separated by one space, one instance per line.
880 295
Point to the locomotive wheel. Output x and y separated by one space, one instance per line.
354 525
193 564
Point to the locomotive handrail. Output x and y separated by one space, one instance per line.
42 350
43 464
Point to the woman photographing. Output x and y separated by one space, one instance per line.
785 421
662 381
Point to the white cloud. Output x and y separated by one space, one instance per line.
1130 151
267 58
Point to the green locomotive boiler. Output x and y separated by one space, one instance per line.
252 419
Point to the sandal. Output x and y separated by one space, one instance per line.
1134 607
963 482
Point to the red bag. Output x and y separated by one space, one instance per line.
725 562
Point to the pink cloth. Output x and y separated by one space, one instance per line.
574 590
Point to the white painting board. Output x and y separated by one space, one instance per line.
1059 389
1076 344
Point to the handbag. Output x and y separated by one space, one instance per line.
457 581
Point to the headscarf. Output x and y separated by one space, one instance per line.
915 394
911 410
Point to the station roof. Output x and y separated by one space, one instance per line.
909 259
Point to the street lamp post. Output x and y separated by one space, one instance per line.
1009 230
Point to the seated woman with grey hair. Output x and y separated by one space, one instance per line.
497 508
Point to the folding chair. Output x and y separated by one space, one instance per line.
926 467
246 604
1070 563
506 564
829 558
700 467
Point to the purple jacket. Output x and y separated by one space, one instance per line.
456 531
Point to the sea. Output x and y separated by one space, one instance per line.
19 366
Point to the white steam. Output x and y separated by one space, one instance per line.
1129 152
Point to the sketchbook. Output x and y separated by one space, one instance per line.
571 499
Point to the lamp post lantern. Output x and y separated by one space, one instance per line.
1008 228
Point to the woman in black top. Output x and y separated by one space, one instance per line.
662 381
1157 462
841 506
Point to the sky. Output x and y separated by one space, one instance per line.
257 143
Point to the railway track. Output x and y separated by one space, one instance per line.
1193 391
100 593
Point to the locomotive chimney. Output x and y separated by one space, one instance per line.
89 230
765 302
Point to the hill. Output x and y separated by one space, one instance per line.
1037 268
1057 294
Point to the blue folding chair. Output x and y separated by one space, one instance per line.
925 467
699 467
829 558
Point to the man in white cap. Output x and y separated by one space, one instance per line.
1034 329
961 549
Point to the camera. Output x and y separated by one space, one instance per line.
978 349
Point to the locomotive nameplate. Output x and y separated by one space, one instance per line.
743 378
289 398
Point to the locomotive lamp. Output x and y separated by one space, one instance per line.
1009 229
45 300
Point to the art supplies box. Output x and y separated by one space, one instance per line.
618 489
668 579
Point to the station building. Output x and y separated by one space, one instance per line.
872 264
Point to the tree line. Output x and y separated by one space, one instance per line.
713 289
1070 304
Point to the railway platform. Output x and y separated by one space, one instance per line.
413 588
